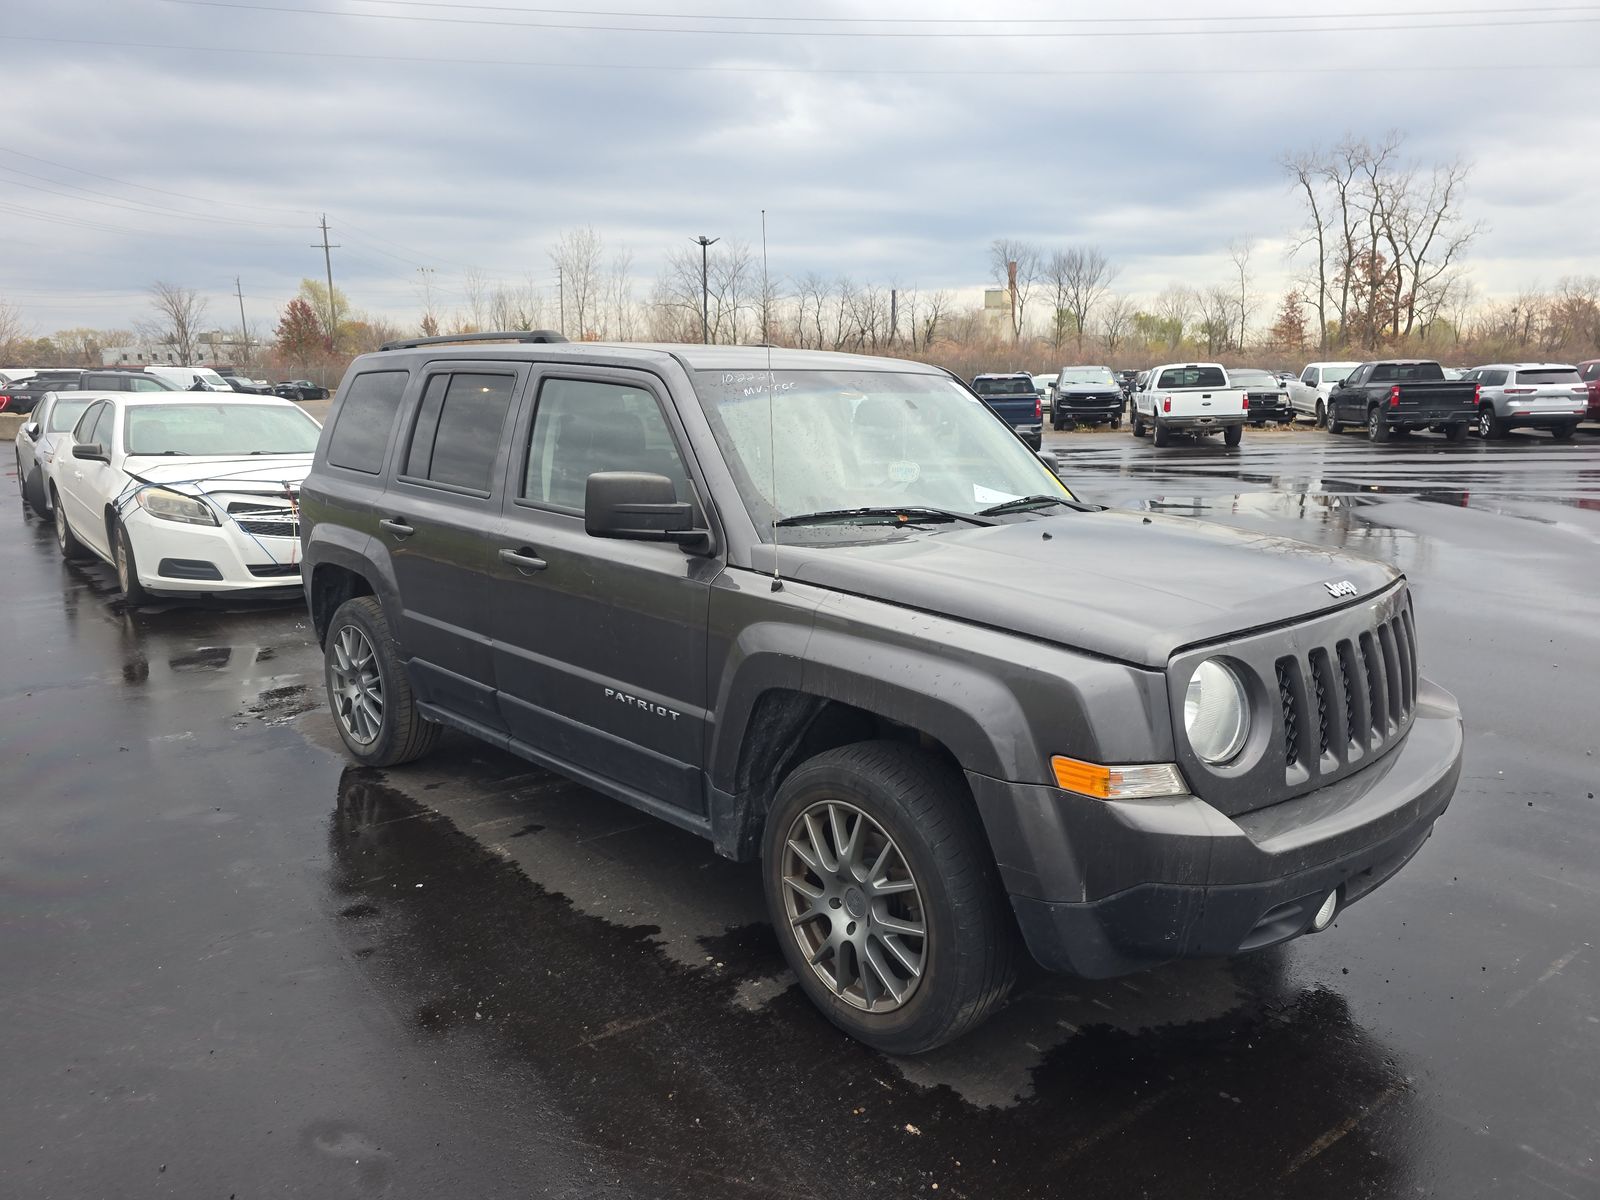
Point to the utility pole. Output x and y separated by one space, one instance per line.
327 261
705 245
244 329
561 298
894 314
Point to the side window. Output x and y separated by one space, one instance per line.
361 430
85 425
1309 377
582 426
1492 378
136 384
458 430
101 434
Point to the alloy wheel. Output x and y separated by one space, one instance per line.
854 906
122 561
1485 423
357 686
61 525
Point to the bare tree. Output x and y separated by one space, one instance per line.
180 312
1174 306
577 257
1216 318
426 294
1088 276
1002 253
1244 299
1307 171
934 310
619 298
1116 321
475 288
12 331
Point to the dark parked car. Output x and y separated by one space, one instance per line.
21 397
122 381
1266 394
1589 372
827 612
299 389
251 387
1015 398
1401 395
1086 396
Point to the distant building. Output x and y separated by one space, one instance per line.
997 310
217 347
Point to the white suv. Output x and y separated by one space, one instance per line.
1529 396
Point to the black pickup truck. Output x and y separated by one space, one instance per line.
1399 395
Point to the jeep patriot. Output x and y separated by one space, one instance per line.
831 613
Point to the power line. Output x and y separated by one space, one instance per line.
133 206
986 73
128 183
241 6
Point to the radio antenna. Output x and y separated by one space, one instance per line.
772 387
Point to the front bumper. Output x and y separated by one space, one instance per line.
1086 409
178 559
1104 888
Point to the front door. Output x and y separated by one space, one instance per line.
86 485
600 645
435 520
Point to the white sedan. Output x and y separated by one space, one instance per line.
46 432
186 496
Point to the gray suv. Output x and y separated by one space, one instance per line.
830 613
1529 396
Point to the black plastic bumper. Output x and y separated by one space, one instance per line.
1102 889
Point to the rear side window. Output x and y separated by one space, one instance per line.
1193 377
458 431
582 426
361 429
1590 371
1491 378
1549 375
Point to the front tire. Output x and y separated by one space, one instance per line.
374 708
127 566
885 898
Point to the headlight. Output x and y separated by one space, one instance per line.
1216 714
175 506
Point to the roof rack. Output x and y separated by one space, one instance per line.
515 335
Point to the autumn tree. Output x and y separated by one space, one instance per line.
1288 330
299 333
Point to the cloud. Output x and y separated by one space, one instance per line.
1159 149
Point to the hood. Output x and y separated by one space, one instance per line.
1125 585
252 473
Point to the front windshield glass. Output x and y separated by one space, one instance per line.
1090 375
802 442
64 415
1021 386
1253 378
219 429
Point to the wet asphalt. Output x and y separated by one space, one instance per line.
234 965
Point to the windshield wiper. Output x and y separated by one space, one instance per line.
1023 503
915 514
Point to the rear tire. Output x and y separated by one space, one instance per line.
1322 414
1490 427
886 812
1233 434
1563 433
1138 424
71 548
1377 428
1116 422
374 708
1162 436
1456 432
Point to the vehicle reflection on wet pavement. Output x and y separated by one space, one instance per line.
236 964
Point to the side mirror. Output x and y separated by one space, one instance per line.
1049 459
639 507
31 430
93 451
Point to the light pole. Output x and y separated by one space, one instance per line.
705 244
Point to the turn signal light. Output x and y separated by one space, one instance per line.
1166 405
1139 782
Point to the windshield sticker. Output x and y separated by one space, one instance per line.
983 495
905 472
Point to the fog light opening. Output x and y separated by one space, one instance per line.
1325 914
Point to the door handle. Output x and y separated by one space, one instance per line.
397 526
524 560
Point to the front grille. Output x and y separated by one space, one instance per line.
265 520
1374 689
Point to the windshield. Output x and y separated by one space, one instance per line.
1337 374
864 439
1094 375
219 429
64 415
1253 378
1019 386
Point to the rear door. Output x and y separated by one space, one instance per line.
600 651
436 519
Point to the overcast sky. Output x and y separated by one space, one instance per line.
193 142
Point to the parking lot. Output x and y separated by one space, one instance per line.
238 966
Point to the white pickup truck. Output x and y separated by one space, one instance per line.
1192 398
